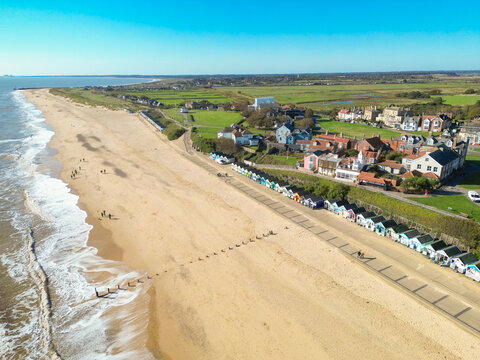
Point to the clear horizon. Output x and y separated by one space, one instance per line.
161 38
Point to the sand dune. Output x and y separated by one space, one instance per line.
287 296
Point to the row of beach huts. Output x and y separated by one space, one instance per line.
295 193
437 250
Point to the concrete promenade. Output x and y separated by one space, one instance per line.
441 289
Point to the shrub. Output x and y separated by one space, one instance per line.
173 131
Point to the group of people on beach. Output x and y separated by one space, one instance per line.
104 214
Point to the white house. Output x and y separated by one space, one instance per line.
473 271
440 162
263 100
349 168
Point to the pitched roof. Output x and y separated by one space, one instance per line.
367 214
412 233
468 258
392 164
424 239
443 157
370 177
452 251
378 219
358 210
389 223
375 142
400 228
438 245
430 175
411 173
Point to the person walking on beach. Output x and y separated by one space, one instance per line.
359 253
110 216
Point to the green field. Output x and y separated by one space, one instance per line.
460 99
455 204
327 97
172 97
357 130
219 119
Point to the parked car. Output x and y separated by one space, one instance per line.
473 195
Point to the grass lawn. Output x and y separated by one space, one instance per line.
172 97
460 99
472 181
214 118
175 114
357 130
455 204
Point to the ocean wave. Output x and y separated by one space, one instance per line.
81 323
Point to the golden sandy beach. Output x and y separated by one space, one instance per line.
289 296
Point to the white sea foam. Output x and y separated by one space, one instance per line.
81 322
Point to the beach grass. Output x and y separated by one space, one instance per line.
93 98
454 204
178 97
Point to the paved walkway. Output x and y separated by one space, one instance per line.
442 289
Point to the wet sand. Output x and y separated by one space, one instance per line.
287 296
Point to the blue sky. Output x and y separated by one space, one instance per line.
222 37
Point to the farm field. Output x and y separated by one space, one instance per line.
460 99
325 97
355 130
172 97
455 204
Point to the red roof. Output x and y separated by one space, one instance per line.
412 173
370 177
303 141
430 175
391 164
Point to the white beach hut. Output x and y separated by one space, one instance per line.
461 262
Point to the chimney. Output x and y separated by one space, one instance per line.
341 134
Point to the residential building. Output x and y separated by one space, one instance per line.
263 100
371 113
471 132
349 168
411 123
442 163
436 123
393 116
331 142
350 114
283 133
391 167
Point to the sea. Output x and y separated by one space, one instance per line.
48 272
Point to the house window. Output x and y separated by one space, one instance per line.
429 168
426 159
435 169
419 166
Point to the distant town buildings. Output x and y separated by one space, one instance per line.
394 116
263 100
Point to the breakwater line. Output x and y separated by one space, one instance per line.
39 277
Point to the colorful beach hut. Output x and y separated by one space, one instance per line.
362 218
382 227
352 213
431 249
406 237
445 255
473 271
421 241
394 231
372 222
461 262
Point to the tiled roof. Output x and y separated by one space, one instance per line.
392 164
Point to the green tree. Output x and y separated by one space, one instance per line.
469 91
307 123
309 113
337 191
351 152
